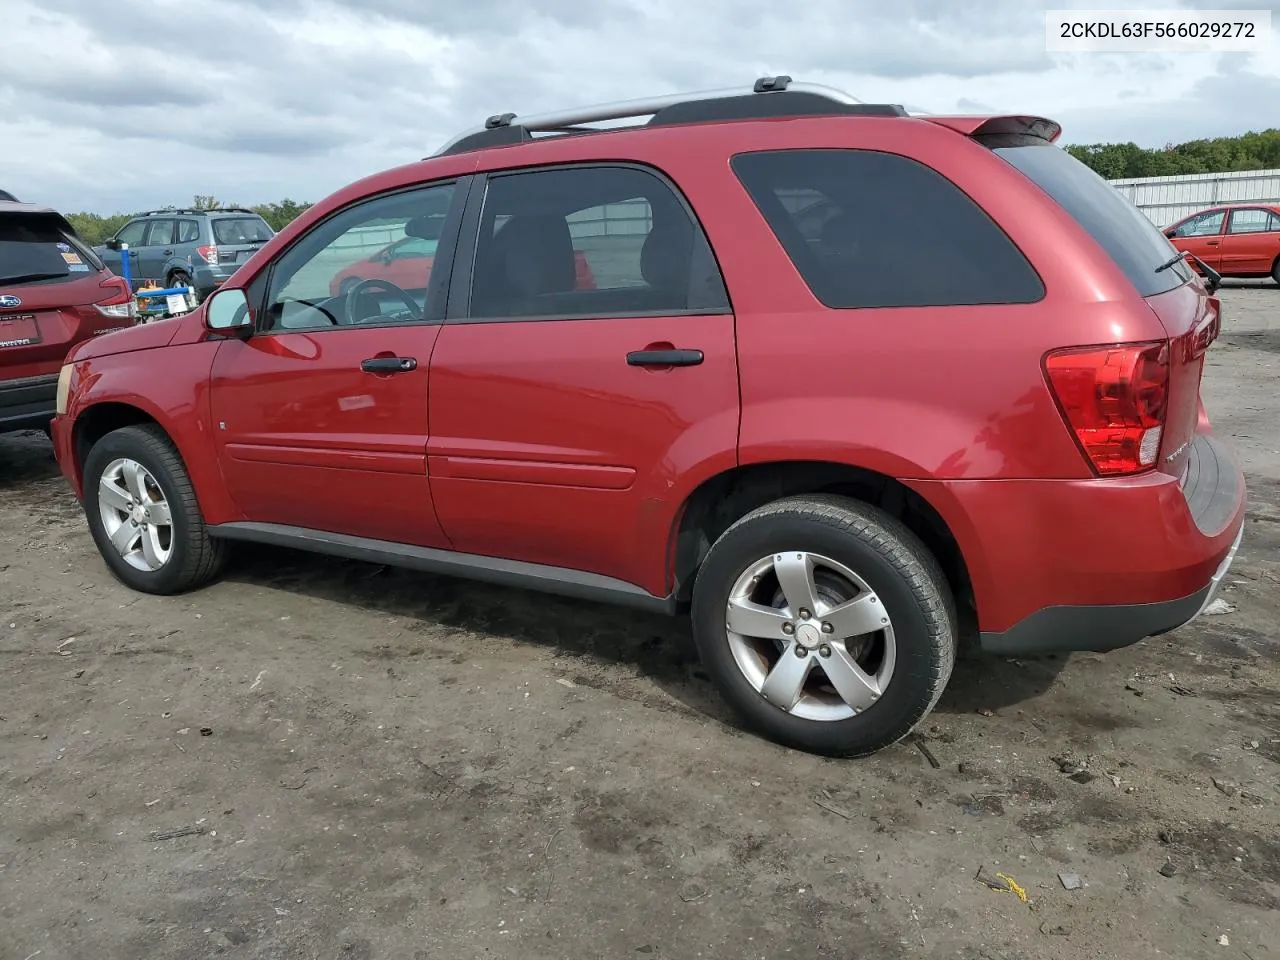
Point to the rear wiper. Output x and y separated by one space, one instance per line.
31 277
1181 255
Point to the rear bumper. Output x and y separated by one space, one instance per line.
1062 565
208 278
27 404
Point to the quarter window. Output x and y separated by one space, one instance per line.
188 231
590 242
345 271
871 229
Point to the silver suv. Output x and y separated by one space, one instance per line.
186 248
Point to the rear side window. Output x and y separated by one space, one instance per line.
1132 241
1253 221
872 229
36 249
227 230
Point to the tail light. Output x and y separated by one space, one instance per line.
118 300
208 254
1114 398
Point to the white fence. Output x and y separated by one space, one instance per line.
1167 199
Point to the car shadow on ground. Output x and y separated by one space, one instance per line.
586 636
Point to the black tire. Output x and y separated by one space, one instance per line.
1275 270
180 278
196 557
892 561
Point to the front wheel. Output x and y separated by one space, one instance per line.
143 514
826 624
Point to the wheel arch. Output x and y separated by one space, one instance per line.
720 500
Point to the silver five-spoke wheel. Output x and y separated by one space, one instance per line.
135 514
810 636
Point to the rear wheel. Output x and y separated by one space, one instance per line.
179 278
1275 270
826 624
143 514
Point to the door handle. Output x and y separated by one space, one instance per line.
388 364
168 253
664 358
1212 243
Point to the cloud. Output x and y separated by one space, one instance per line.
260 99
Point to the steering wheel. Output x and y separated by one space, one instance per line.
349 303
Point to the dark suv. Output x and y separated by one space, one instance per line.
844 380
54 293
186 248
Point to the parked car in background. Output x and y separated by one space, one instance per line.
54 294
186 248
1236 240
830 436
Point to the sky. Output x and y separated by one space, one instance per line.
121 105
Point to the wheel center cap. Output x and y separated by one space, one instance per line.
807 635
138 513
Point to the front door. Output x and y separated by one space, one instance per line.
321 415
1201 236
563 413
133 234
1252 241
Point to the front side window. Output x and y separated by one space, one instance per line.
1253 221
339 273
872 229
132 233
1205 225
591 241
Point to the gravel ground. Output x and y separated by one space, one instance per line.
322 759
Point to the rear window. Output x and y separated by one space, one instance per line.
227 230
872 229
36 249
1132 241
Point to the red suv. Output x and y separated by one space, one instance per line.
54 294
847 378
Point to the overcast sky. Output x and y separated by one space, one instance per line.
119 105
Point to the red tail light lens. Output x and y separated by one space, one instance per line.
208 254
118 299
1114 399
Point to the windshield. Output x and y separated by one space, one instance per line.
1120 228
35 248
228 230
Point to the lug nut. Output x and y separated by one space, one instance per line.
788 628
828 628
825 650
804 614
801 651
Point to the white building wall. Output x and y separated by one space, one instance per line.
1167 199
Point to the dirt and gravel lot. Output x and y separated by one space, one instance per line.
323 759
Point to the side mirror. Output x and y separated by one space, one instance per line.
227 311
112 243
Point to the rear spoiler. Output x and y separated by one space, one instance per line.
1040 127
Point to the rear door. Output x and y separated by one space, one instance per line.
1201 236
1251 244
321 414
561 414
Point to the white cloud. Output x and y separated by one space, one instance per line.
275 98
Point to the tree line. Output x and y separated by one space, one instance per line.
1114 161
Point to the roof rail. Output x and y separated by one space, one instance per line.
769 97
191 210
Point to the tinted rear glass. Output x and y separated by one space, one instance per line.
240 230
1120 228
872 229
34 249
